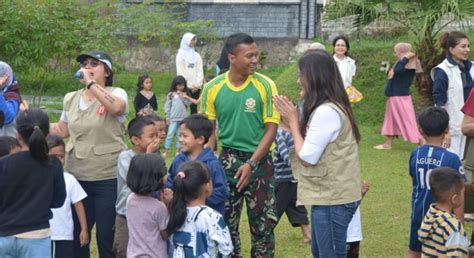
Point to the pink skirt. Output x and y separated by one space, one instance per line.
400 119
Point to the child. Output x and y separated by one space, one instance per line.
433 125
195 131
160 125
175 110
31 183
285 185
62 226
144 138
145 100
195 230
146 216
442 233
8 145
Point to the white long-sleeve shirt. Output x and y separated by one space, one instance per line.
193 73
347 69
323 129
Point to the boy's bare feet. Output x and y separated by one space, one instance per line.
306 233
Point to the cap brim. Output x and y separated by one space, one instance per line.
83 57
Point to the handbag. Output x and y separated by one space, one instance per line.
468 163
354 95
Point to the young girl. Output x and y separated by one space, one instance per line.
62 225
195 229
145 100
175 110
31 183
146 216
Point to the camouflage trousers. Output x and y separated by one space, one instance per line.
260 200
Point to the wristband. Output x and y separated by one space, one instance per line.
90 85
252 164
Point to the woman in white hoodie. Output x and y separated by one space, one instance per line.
189 65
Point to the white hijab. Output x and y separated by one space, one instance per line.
187 51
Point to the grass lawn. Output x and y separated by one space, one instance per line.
385 209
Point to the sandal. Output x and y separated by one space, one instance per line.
383 147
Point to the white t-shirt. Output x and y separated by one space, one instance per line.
62 226
354 231
323 128
118 92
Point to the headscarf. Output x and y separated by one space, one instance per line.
186 50
401 49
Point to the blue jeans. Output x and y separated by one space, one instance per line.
329 229
172 129
14 247
99 206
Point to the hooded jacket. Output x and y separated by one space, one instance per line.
219 183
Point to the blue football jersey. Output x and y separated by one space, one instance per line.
422 160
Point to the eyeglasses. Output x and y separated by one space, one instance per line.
91 63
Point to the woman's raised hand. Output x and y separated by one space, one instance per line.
288 111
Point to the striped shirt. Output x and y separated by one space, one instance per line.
284 143
442 235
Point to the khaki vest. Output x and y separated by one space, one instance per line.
95 141
335 179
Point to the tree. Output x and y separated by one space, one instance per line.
422 18
41 37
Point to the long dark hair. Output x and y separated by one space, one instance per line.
187 186
33 127
450 39
174 85
141 80
324 84
146 173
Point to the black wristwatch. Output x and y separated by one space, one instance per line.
90 84
252 164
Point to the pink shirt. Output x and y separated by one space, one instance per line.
146 217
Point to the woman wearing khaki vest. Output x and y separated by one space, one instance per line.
93 120
326 160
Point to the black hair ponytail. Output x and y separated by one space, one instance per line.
187 186
33 127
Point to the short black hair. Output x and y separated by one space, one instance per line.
7 143
199 125
145 174
54 140
136 125
433 121
156 118
445 181
234 40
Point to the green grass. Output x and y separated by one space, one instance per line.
386 207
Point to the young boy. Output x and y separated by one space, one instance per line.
160 124
285 190
144 138
62 226
194 132
8 145
442 233
433 125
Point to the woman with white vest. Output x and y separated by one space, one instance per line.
189 65
93 120
325 160
346 65
452 83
